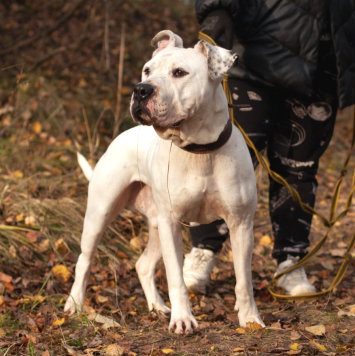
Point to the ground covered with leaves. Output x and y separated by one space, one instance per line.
58 95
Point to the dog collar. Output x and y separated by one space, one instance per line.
209 147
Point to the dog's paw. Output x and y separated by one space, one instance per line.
71 306
161 310
254 318
182 326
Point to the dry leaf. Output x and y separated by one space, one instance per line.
254 326
327 265
38 299
43 246
265 240
61 273
37 127
344 348
17 174
241 330
295 335
318 330
12 252
2 333
238 349
31 236
61 246
102 299
243 349
167 351
19 217
108 322
46 353
345 313
293 352
338 252
201 317
5 278
275 326
70 351
136 243
294 346
114 350
30 220
320 347
59 322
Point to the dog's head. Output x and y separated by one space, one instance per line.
178 81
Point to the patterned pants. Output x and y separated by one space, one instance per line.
296 131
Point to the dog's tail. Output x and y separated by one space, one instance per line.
85 166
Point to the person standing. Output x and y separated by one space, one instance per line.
296 67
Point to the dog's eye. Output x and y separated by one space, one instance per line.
146 71
178 73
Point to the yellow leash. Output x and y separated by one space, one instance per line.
296 197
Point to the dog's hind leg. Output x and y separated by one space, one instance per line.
109 192
142 200
145 268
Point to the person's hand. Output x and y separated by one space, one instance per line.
219 23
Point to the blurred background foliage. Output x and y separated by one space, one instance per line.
68 54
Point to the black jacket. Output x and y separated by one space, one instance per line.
278 41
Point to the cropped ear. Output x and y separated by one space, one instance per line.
165 39
219 59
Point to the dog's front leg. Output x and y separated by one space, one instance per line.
242 239
182 320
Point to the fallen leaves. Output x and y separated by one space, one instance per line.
241 330
350 312
244 349
320 347
37 127
295 335
59 322
254 326
114 350
294 346
5 278
318 330
344 348
265 240
61 272
107 322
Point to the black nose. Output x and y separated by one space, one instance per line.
143 91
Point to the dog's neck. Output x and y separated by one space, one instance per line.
204 127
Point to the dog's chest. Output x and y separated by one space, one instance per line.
192 190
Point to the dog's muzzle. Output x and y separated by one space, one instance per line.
141 94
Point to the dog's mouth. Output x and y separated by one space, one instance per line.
141 116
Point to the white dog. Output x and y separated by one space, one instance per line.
188 164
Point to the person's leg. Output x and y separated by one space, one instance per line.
255 115
301 135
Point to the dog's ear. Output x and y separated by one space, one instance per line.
219 59
165 39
